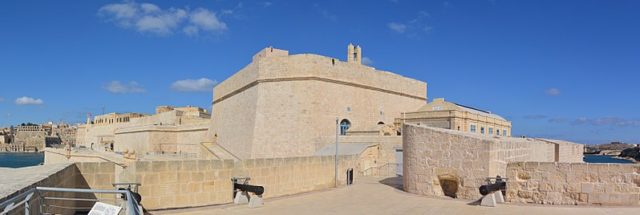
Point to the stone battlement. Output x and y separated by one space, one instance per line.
443 162
280 66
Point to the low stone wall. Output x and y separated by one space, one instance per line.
20 180
442 162
573 183
189 183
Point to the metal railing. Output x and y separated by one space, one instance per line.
36 201
387 169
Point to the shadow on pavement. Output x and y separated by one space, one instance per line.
395 182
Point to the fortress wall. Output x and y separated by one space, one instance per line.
434 158
569 152
31 139
245 76
573 183
234 122
311 65
189 183
286 105
296 118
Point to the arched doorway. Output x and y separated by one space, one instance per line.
345 124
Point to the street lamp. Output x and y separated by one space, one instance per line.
336 155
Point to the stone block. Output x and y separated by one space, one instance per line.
174 166
106 167
143 166
158 166
168 177
189 165
587 187
205 165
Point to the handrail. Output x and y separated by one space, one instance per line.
11 204
209 150
219 146
228 152
386 165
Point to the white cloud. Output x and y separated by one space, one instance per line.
28 101
194 85
149 18
122 88
203 19
552 91
367 61
607 121
414 27
397 27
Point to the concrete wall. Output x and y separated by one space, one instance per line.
436 158
573 183
286 105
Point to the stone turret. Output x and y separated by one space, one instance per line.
354 54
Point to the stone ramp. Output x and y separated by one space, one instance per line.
215 151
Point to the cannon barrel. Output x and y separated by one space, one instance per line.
489 188
258 190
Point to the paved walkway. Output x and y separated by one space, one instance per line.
369 196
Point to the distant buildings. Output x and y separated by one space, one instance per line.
33 137
169 130
443 114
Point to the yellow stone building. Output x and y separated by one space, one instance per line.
283 105
443 114
169 130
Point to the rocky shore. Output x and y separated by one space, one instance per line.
631 154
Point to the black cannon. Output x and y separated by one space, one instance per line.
498 185
241 190
258 190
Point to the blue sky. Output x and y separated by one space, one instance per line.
556 69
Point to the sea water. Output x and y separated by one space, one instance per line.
604 159
17 160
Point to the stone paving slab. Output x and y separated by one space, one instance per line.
369 196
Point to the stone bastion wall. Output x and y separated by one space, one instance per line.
190 183
573 183
441 162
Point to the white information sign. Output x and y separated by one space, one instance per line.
104 209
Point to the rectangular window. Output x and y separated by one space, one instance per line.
482 130
498 132
490 131
504 133
472 128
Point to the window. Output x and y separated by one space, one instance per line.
504 133
482 130
344 126
490 131
498 132
472 128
